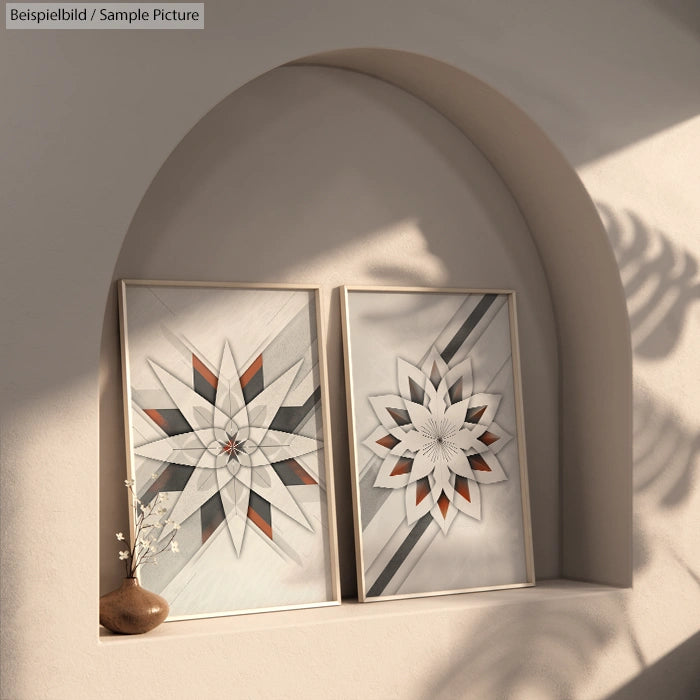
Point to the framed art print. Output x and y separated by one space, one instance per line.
226 423
437 445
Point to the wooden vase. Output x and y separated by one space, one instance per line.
131 609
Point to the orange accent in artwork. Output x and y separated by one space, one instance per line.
474 414
399 415
262 524
478 464
462 488
305 477
208 375
443 504
422 490
156 417
489 438
209 531
251 371
456 391
403 466
388 441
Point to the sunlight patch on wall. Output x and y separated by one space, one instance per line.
396 255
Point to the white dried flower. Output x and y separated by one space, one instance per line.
174 546
124 555
120 536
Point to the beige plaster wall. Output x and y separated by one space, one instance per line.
88 118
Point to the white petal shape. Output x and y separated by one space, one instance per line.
422 466
263 408
245 458
458 382
467 439
235 495
456 413
459 464
276 446
184 449
394 472
487 469
434 368
200 487
415 511
411 382
441 481
267 484
198 412
229 395
412 441
221 460
490 401
467 497
419 414
434 401
390 410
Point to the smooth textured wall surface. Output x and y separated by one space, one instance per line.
88 119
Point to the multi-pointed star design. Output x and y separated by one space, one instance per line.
231 446
437 440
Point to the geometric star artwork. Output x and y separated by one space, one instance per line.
231 446
438 440
225 391
436 425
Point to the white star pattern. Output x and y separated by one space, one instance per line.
231 447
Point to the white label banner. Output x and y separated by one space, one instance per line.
111 15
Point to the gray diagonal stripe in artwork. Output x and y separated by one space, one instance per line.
467 327
399 556
373 498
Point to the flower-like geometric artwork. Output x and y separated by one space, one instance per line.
438 458
437 440
224 397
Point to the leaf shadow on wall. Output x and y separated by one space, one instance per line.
654 682
662 286
661 282
666 454
540 651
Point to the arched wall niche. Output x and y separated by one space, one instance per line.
532 213
595 351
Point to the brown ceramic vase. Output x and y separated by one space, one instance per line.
131 609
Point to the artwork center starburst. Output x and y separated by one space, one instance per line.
439 445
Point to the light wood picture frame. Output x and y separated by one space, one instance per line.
437 442
226 416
